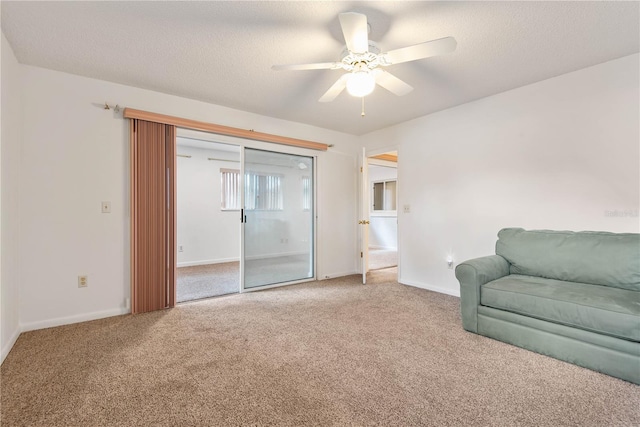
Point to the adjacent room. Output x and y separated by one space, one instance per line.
208 212
303 213
383 212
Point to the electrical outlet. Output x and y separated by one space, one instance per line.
83 281
406 208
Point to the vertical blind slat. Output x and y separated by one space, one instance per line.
153 216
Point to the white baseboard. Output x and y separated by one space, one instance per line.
85 317
452 292
207 262
276 255
336 275
8 346
223 260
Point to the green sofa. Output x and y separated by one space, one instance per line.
574 296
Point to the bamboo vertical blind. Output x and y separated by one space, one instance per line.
153 220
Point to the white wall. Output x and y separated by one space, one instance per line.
11 123
337 200
383 228
75 155
383 232
206 233
558 154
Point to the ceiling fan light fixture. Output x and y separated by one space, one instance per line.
361 59
361 82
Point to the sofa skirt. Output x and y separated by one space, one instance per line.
610 355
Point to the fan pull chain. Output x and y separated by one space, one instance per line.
362 114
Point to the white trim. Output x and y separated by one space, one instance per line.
207 262
7 348
447 291
383 163
336 275
277 285
276 255
223 260
375 152
314 214
243 217
385 248
85 317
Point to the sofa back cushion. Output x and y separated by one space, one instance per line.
598 258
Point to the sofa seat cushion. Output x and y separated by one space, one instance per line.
602 309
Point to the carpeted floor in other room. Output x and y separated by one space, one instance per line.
211 280
382 258
206 281
333 352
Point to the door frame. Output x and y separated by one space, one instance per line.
265 146
364 201
314 217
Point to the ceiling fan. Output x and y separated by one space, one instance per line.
363 61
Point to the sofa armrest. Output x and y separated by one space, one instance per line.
472 275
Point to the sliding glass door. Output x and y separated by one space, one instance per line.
278 218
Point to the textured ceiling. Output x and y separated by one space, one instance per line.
221 52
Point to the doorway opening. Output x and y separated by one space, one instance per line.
208 225
383 214
245 217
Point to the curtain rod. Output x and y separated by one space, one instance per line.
210 158
116 107
130 113
223 160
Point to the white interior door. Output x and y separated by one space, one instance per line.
277 218
364 216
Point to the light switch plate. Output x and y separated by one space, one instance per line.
106 207
406 209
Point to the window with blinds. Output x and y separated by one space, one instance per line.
230 189
261 191
306 193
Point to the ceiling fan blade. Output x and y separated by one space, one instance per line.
336 89
421 50
391 82
317 66
355 31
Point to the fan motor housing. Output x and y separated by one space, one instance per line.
370 58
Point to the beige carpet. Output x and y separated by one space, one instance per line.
206 281
324 353
211 280
382 258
